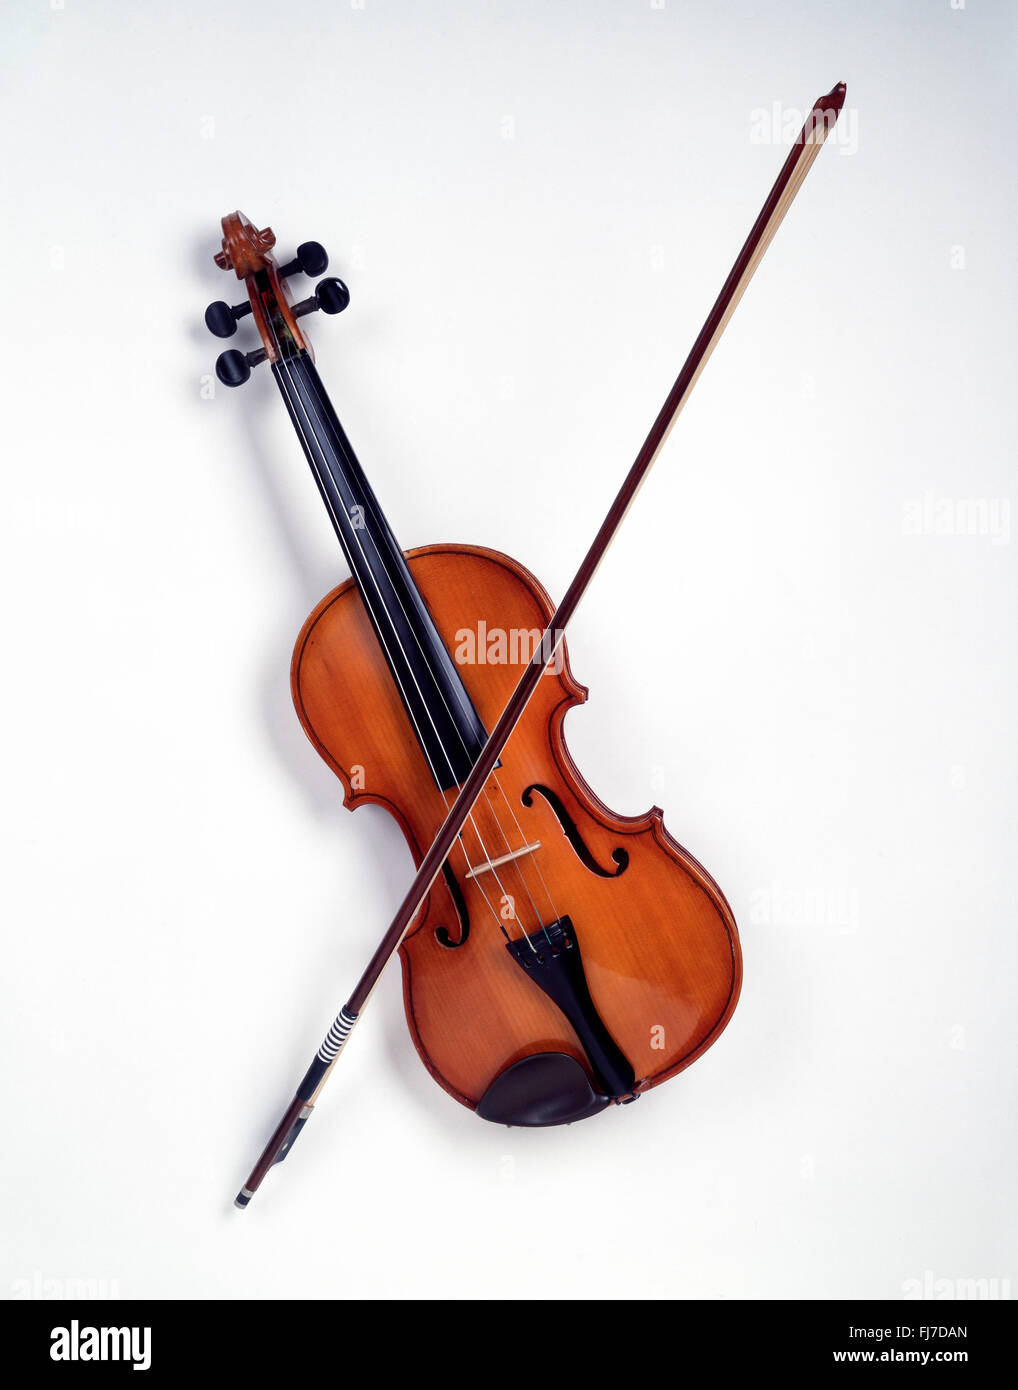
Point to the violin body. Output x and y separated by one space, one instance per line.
660 948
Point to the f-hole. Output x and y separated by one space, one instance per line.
620 857
460 903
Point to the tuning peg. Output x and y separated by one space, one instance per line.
311 259
233 368
221 320
331 296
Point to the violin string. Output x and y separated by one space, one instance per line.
282 360
517 864
507 898
533 857
370 607
384 608
285 367
514 864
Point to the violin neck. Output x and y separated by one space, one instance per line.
448 728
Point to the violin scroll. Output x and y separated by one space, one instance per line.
246 249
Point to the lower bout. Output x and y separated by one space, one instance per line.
486 1016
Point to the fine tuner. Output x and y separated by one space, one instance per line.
233 368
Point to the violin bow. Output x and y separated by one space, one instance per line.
818 126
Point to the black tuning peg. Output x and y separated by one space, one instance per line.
221 320
331 296
233 368
311 258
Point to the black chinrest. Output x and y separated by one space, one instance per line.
546 1088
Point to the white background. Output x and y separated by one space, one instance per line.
534 206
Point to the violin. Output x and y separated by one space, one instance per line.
558 958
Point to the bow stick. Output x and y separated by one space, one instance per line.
819 123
